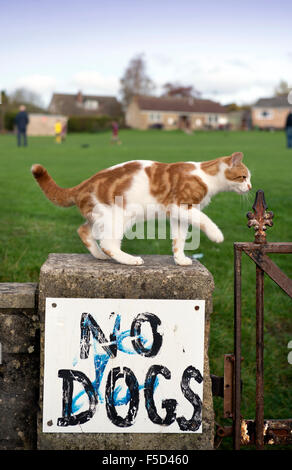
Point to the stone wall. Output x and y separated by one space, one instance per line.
22 314
82 276
44 124
19 371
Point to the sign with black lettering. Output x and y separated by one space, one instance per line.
123 365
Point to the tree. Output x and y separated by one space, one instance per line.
135 81
178 90
3 105
26 97
282 89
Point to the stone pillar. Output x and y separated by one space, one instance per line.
82 276
19 371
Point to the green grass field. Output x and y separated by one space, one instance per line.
31 228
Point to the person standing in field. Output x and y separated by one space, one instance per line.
115 133
64 132
289 130
21 122
58 132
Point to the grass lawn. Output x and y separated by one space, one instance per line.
32 227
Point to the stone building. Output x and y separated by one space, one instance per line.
84 105
145 112
271 113
44 124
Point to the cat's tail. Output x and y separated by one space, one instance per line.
63 197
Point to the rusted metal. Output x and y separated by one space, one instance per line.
275 432
237 348
259 431
271 269
260 218
228 405
269 247
259 358
217 386
221 432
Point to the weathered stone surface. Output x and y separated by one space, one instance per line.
17 295
82 276
19 371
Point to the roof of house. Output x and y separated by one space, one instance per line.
182 105
274 102
75 105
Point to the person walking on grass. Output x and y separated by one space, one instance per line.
21 121
115 133
289 130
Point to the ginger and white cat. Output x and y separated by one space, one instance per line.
107 197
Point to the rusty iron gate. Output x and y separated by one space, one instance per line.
259 431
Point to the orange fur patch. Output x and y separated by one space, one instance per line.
211 167
84 232
107 252
59 196
174 247
105 185
173 184
237 173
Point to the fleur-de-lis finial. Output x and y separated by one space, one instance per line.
260 218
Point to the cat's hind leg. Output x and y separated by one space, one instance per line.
110 224
84 232
113 250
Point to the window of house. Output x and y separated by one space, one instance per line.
265 114
155 117
91 105
212 118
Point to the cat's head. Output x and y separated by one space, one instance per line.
237 174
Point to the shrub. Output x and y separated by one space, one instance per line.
89 124
9 117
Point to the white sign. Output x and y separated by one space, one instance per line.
123 365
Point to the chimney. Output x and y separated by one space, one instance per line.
79 97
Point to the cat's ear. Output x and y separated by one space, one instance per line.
236 158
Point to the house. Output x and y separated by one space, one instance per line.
84 105
175 113
271 113
239 120
44 124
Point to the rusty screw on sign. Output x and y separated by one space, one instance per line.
259 218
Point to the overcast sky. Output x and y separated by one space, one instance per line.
228 50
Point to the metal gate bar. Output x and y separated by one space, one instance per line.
259 219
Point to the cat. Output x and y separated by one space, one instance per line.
108 195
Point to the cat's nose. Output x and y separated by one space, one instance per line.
249 187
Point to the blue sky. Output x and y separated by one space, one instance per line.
228 50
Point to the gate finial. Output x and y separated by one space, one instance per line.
260 218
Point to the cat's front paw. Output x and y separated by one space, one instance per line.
182 260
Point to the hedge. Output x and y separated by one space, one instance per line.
9 117
89 124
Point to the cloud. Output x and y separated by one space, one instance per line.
230 79
41 84
92 81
